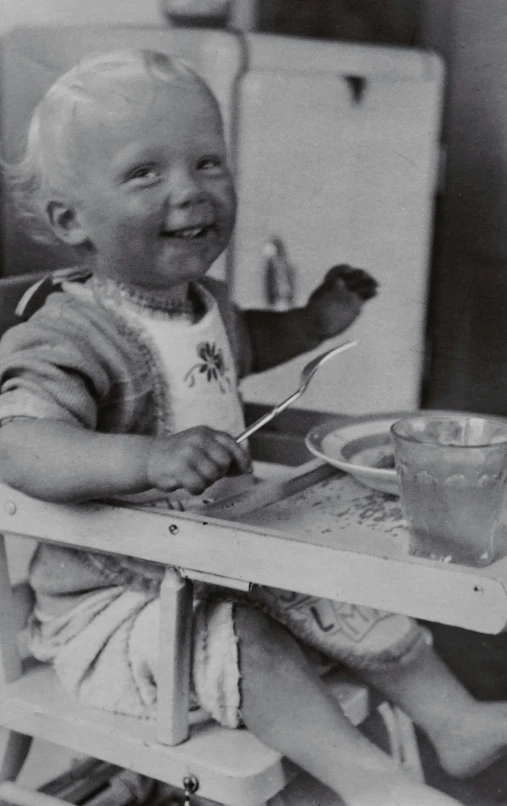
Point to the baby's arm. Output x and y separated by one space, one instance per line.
331 309
58 461
56 372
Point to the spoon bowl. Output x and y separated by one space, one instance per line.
307 374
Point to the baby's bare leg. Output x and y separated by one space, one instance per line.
467 734
287 706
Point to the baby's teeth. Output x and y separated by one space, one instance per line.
191 233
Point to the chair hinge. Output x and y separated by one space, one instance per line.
215 579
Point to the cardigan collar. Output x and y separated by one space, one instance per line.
159 301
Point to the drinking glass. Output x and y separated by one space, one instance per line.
452 471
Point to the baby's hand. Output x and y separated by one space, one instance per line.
194 459
335 304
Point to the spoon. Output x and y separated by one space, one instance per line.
307 374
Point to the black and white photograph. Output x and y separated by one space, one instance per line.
253 402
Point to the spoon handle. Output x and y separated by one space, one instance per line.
266 418
308 371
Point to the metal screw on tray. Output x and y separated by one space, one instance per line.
191 785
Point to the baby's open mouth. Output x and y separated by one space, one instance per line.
189 233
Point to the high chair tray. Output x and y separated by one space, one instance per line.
309 529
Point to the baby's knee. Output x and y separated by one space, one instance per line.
237 649
253 623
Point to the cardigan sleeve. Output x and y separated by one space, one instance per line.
58 365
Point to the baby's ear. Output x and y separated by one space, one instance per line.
65 223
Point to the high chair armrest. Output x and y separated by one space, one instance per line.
137 532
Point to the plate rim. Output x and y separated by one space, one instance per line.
336 424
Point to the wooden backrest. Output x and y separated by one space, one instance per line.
16 598
18 551
11 291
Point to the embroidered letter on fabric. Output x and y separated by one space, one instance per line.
324 615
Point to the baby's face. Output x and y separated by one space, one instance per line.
155 198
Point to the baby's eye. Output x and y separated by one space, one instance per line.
143 173
210 163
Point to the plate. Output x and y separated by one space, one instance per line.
365 450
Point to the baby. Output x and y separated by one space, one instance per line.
125 384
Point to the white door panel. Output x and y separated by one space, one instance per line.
293 179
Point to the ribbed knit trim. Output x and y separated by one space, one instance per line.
154 302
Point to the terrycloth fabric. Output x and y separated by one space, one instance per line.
215 668
105 651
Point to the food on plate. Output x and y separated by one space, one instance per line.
381 457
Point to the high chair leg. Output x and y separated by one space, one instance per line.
174 657
402 740
14 749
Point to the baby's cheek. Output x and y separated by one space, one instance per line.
144 208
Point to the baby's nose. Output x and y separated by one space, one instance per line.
184 189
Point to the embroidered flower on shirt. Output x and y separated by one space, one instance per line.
211 364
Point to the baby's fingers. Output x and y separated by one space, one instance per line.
356 280
238 459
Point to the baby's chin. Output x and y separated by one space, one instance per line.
172 270
165 277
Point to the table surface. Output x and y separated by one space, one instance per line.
338 511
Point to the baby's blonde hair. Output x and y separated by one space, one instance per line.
42 171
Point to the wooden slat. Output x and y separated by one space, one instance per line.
11 291
14 746
22 600
10 662
174 658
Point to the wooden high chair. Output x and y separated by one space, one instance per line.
181 748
